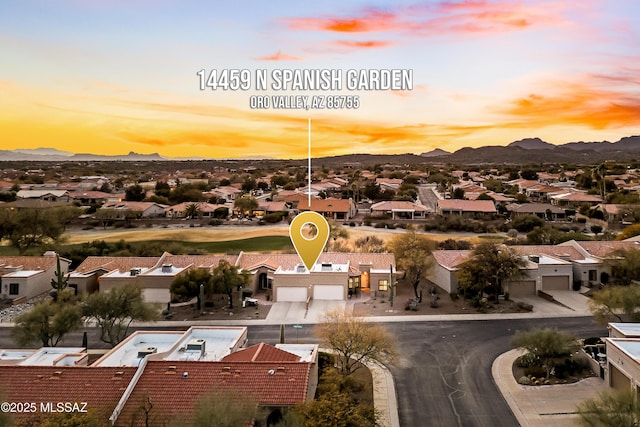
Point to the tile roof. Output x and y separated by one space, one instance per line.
28 262
261 353
467 205
563 252
183 261
326 205
202 207
163 383
111 263
535 208
100 387
604 249
450 259
250 261
398 205
132 206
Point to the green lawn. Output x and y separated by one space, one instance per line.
255 244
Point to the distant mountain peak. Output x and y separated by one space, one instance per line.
435 153
532 144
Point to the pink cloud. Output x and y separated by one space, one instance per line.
442 18
279 56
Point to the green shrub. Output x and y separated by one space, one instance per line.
528 360
273 218
214 222
524 381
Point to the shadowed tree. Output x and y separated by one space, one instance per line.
115 310
26 228
546 344
192 210
611 409
616 304
47 323
188 285
626 266
488 267
245 205
226 278
412 252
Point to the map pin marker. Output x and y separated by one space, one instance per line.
309 249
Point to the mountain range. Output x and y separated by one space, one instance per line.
528 150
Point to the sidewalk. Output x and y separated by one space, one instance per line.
542 406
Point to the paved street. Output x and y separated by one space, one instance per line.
427 197
443 377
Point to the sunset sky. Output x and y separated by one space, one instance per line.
113 76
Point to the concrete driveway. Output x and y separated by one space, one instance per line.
296 312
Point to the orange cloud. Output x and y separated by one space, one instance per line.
583 103
279 56
367 44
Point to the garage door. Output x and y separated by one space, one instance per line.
328 292
525 288
156 295
293 294
618 380
555 283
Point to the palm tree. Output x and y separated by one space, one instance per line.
192 210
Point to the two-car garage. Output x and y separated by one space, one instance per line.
319 292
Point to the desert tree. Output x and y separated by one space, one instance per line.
413 256
26 228
616 304
228 408
353 341
611 409
116 309
546 344
226 278
489 266
187 285
626 266
46 323
245 205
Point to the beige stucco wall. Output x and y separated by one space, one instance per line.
443 277
308 280
619 366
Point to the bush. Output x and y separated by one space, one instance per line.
380 225
506 296
524 381
535 371
215 222
352 224
454 296
524 306
528 360
273 218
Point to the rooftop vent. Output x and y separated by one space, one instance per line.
135 271
166 268
196 346
146 351
326 266
300 268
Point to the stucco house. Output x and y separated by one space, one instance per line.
29 276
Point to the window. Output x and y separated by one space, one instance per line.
354 282
383 285
14 288
593 275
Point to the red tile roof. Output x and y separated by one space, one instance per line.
164 385
112 263
100 387
261 353
604 249
562 252
326 205
467 205
250 261
451 259
28 262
